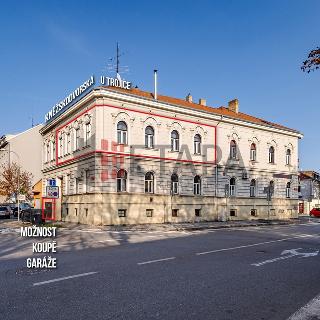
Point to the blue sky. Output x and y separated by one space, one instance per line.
218 50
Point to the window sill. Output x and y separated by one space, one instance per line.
173 151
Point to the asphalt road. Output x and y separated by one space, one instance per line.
240 273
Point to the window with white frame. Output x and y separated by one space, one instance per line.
68 143
122 180
61 145
53 149
87 133
253 188
271 154
174 184
232 187
288 157
78 137
122 133
149 182
253 152
86 183
233 150
197 185
149 137
174 140
197 144
288 190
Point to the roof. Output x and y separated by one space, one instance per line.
224 111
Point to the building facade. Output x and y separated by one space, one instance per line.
309 191
123 157
25 149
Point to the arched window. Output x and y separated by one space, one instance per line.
149 137
149 182
288 190
197 144
121 180
122 132
197 185
253 188
232 187
253 152
271 154
174 184
233 150
174 140
288 157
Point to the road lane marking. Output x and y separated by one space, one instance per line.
251 245
153 261
310 311
64 278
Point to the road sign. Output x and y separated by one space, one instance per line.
52 182
22 197
52 192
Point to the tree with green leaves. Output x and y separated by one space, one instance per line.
313 61
14 180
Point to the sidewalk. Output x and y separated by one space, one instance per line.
187 226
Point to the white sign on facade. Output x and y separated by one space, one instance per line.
52 192
70 98
115 82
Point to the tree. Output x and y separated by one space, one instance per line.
313 61
11 184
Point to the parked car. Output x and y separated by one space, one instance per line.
5 211
315 212
32 215
23 206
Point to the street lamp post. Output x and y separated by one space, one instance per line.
18 191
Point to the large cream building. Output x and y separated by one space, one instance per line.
123 157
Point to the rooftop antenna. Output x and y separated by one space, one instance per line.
113 64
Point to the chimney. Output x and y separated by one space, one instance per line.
203 102
155 95
189 98
234 105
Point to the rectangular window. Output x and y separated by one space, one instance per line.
175 212
122 213
77 185
254 212
53 150
149 213
233 213
253 154
175 187
197 147
88 134
68 143
174 144
197 188
61 146
232 190
197 212
149 141
78 139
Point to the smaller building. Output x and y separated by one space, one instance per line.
25 149
37 195
309 191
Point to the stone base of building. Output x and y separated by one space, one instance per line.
119 209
